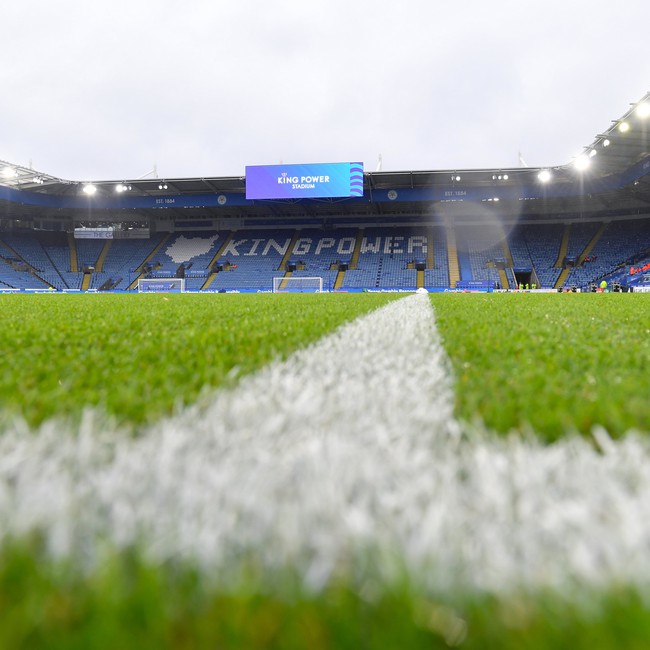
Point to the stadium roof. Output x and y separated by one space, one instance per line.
610 175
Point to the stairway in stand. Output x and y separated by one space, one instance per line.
452 257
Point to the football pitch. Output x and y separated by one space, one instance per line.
325 471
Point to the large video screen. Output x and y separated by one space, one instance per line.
304 181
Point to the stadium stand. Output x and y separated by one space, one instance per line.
252 259
88 252
15 272
393 229
322 253
436 275
123 261
580 235
388 258
479 251
185 255
57 250
357 258
26 247
620 242
537 246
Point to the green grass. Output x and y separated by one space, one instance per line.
130 604
555 363
137 357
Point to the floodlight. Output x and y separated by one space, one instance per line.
9 172
606 143
455 178
581 162
505 177
119 188
592 153
544 176
623 127
89 189
643 109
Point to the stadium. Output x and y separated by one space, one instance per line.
372 459
572 226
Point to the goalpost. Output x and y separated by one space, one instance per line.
161 285
298 284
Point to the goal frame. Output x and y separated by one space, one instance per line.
143 282
278 282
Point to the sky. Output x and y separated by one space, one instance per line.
111 90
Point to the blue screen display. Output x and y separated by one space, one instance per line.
304 181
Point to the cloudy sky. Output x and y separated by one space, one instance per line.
103 91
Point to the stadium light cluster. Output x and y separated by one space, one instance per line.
640 111
582 162
122 187
643 109
89 189
162 186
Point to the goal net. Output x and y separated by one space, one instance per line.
298 284
157 285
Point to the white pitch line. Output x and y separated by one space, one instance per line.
344 457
